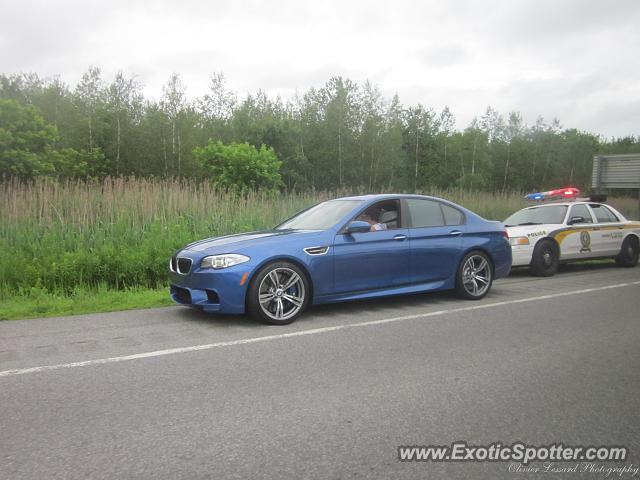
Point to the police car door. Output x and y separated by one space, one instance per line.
608 234
578 243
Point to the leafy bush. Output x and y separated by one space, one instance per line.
240 166
26 141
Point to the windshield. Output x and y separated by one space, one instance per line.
537 215
322 216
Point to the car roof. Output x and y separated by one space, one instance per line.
384 196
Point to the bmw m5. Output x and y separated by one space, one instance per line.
343 249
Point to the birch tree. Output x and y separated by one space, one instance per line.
173 104
89 94
123 99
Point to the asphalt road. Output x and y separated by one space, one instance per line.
331 396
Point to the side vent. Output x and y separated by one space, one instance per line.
316 250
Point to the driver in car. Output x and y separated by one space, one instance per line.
375 225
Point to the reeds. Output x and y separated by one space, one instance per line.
120 232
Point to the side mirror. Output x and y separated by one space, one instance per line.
358 226
576 220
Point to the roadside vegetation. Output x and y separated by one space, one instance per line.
81 246
38 302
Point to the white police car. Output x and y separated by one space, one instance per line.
544 235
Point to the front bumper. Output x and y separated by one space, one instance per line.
221 291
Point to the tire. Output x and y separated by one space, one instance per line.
475 276
545 259
271 301
628 256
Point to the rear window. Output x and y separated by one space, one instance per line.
452 216
425 213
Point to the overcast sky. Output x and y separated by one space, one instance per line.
574 60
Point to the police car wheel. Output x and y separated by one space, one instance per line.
475 276
544 261
628 256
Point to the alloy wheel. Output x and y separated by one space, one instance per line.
281 294
476 275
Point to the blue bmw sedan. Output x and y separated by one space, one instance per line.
343 249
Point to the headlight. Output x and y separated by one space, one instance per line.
223 261
519 241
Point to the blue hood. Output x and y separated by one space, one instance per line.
243 241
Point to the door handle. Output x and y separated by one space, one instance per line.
400 238
455 233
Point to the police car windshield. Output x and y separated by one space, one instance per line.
537 215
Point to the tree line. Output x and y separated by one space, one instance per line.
340 135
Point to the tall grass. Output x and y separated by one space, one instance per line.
119 233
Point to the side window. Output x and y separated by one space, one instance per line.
603 214
425 213
383 215
581 211
452 216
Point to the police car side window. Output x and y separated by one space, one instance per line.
603 214
581 211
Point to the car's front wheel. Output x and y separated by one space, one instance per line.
278 293
628 256
475 276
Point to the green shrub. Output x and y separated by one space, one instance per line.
240 166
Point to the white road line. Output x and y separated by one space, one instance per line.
313 331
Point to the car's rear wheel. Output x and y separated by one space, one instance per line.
475 276
545 259
278 293
628 256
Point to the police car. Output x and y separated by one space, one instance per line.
569 229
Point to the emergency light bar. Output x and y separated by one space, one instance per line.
557 194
